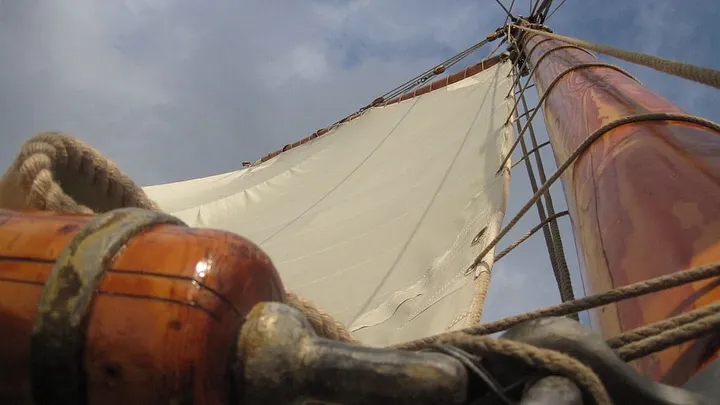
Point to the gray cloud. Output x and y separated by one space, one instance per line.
178 89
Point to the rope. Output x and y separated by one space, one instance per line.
549 360
530 233
547 92
45 156
556 9
45 176
582 304
322 322
661 335
530 152
438 69
579 151
52 159
509 13
707 76
552 232
541 12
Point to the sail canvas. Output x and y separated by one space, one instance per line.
377 221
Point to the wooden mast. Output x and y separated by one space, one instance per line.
643 197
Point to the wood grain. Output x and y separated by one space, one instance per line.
644 198
164 323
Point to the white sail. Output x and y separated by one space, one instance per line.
374 221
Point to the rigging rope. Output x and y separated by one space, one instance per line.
35 180
661 335
528 234
49 156
509 13
549 360
573 156
541 12
553 237
556 9
438 69
707 76
530 152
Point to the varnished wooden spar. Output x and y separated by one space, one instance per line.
155 323
644 198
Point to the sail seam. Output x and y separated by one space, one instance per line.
392 131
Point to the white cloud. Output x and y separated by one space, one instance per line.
305 62
173 89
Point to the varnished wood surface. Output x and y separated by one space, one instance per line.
163 325
645 198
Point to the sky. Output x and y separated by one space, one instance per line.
178 89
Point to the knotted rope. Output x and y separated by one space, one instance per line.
56 172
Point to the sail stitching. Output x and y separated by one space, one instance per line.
345 178
429 206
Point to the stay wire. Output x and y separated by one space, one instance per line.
545 209
504 9
421 78
647 117
509 14
556 9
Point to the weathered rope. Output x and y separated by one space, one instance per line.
582 304
661 335
551 231
322 322
535 357
710 77
530 152
56 172
649 117
35 180
528 234
46 172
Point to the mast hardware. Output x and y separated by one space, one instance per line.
276 357
282 361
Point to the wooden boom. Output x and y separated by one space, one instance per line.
147 317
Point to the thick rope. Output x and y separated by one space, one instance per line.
649 117
550 360
49 166
322 322
710 77
661 335
582 304
56 172
35 181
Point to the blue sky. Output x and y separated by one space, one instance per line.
174 89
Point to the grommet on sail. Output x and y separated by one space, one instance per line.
351 266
